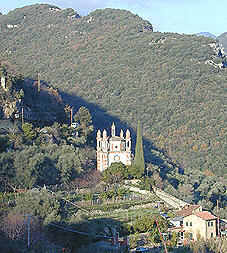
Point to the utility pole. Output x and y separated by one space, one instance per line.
219 237
146 179
161 236
71 116
39 82
28 230
114 234
22 116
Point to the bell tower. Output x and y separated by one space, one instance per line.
99 140
128 141
104 142
122 134
113 129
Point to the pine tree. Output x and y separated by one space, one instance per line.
139 155
84 117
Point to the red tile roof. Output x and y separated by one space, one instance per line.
205 215
187 211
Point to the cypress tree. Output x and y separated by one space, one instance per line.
139 155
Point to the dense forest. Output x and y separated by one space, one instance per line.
107 66
37 149
223 40
113 61
41 147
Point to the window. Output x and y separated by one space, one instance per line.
116 147
211 223
191 236
190 223
211 235
186 223
208 223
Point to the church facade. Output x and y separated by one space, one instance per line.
113 148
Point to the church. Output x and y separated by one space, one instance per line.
111 149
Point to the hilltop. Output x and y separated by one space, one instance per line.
206 34
113 62
223 40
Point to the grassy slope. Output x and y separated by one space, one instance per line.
113 62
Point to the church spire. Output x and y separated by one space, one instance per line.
104 134
113 129
98 134
122 134
127 134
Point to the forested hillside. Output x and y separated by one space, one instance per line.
42 105
223 40
114 61
39 147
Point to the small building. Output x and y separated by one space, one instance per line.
200 224
164 215
75 124
196 222
176 221
189 209
113 149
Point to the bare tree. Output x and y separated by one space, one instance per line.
15 227
158 180
89 180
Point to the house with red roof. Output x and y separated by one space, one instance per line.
200 224
189 209
197 223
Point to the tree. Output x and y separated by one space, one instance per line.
158 180
4 142
186 192
28 132
147 223
173 240
7 170
139 155
201 245
21 93
115 173
84 117
41 204
28 166
86 128
134 171
14 226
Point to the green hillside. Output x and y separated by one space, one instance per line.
114 62
42 105
223 40
40 144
